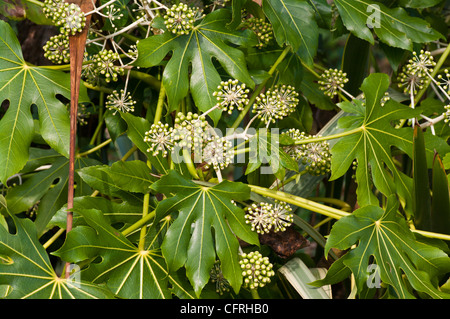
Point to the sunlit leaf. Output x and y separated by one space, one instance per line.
25 266
23 86
129 272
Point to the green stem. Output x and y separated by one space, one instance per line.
141 244
260 87
98 88
329 137
129 153
160 105
38 3
147 78
333 201
242 150
96 148
255 294
435 71
53 238
290 179
190 165
141 222
431 234
100 118
323 209
299 201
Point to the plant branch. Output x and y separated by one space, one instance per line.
96 148
260 87
330 137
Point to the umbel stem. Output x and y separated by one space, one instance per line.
77 43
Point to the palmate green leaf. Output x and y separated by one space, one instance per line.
396 28
49 189
189 241
127 271
23 85
122 213
25 267
101 178
385 235
372 142
265 149
294 24
208 41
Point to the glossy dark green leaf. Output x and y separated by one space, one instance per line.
47 189
190 240
385 236
209 40
294 24
127 271
418 4
23 85
440 205
394 26
25 267
371 144
355 62
421 185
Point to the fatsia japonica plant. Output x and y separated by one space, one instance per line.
225 149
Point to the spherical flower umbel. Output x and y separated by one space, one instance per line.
315 156
281 216
104 65
446 114
231 95
179 19
57 49
287 97
256 270
332 80
410 81
190 130
276 104
120 101
72 20
262 29
294 151
445 84
216 275
257 217
423 62
264 217
53 9
218 153
160 137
